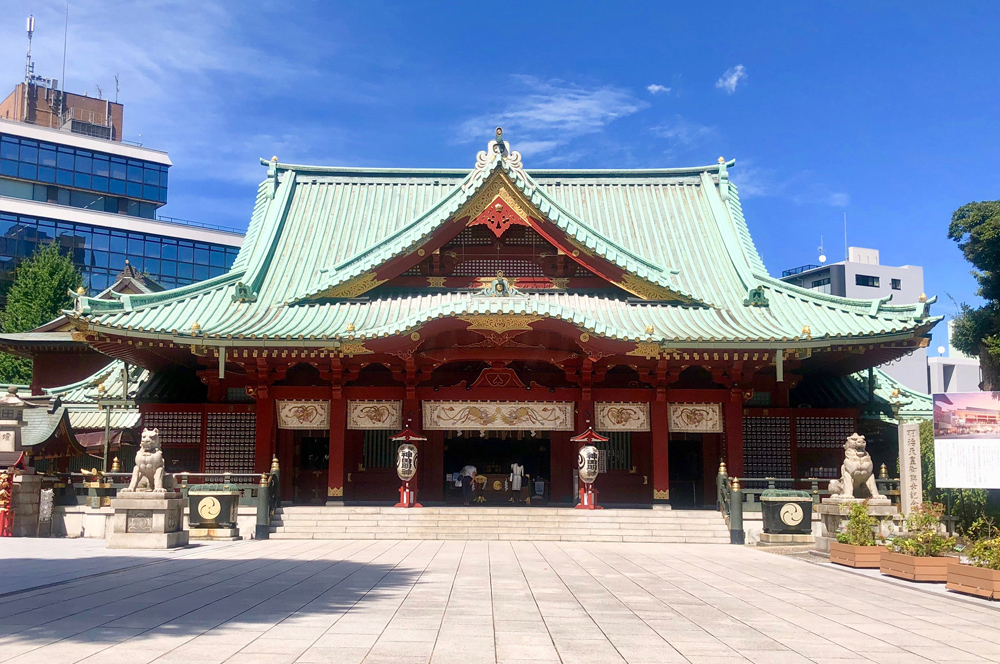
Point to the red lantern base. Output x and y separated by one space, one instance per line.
588 498
407 497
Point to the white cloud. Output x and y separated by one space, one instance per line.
801 188
683 132
838 199
549 114
656 88
731 78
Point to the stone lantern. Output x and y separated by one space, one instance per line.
11 420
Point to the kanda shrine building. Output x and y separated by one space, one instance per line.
498 313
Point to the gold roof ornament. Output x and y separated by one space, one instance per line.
350 327
922 298
722 160
81 291
649 329
806 331
195 326
274 158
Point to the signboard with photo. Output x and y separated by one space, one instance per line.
967 440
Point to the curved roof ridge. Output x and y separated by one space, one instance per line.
543 172
850 304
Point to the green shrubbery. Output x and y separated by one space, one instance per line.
985 548
860 529
922 536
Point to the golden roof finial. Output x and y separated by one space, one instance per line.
722 160
81 291
350 327
649 329
274 158
806 331
195 326
922 298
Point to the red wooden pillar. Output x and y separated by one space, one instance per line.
264 446
338 432
660 441
734 432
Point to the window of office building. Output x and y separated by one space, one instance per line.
821 285
896 284
100 253
866 280
76 168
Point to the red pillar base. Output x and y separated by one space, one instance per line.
407 497
588 498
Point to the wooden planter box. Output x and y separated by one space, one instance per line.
916 568
974 580
856 556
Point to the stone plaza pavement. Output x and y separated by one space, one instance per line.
467 602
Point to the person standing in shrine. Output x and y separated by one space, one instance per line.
468 475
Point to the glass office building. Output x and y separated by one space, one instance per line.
98 200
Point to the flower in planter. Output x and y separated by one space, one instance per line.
922 533
860 528
985 548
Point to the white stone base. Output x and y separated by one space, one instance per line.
872 502
214 534
147 520
773 539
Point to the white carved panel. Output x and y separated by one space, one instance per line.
303 414
375 415
622 416
695 417
499 415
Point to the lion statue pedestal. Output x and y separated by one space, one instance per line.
855 485
149 514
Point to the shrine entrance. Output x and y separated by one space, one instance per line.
492 455
312 463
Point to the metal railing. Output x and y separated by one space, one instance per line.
199 224
736 496
96 489
799 270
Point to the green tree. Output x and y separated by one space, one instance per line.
38 294
976 229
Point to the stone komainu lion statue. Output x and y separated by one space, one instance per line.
148 472
857 474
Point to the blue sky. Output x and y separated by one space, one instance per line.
885 111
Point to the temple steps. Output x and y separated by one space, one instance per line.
503 523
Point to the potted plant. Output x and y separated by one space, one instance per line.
856 545
981 576
920 554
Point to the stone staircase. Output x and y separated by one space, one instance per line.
501 523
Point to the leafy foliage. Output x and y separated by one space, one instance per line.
37 296
860 529
967 505
985 549
922 535
976 229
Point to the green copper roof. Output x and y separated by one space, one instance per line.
681 229
852 391
80 398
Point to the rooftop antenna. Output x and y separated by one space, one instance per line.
822 254
847 253
29 68
62 97
116 88
100 92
